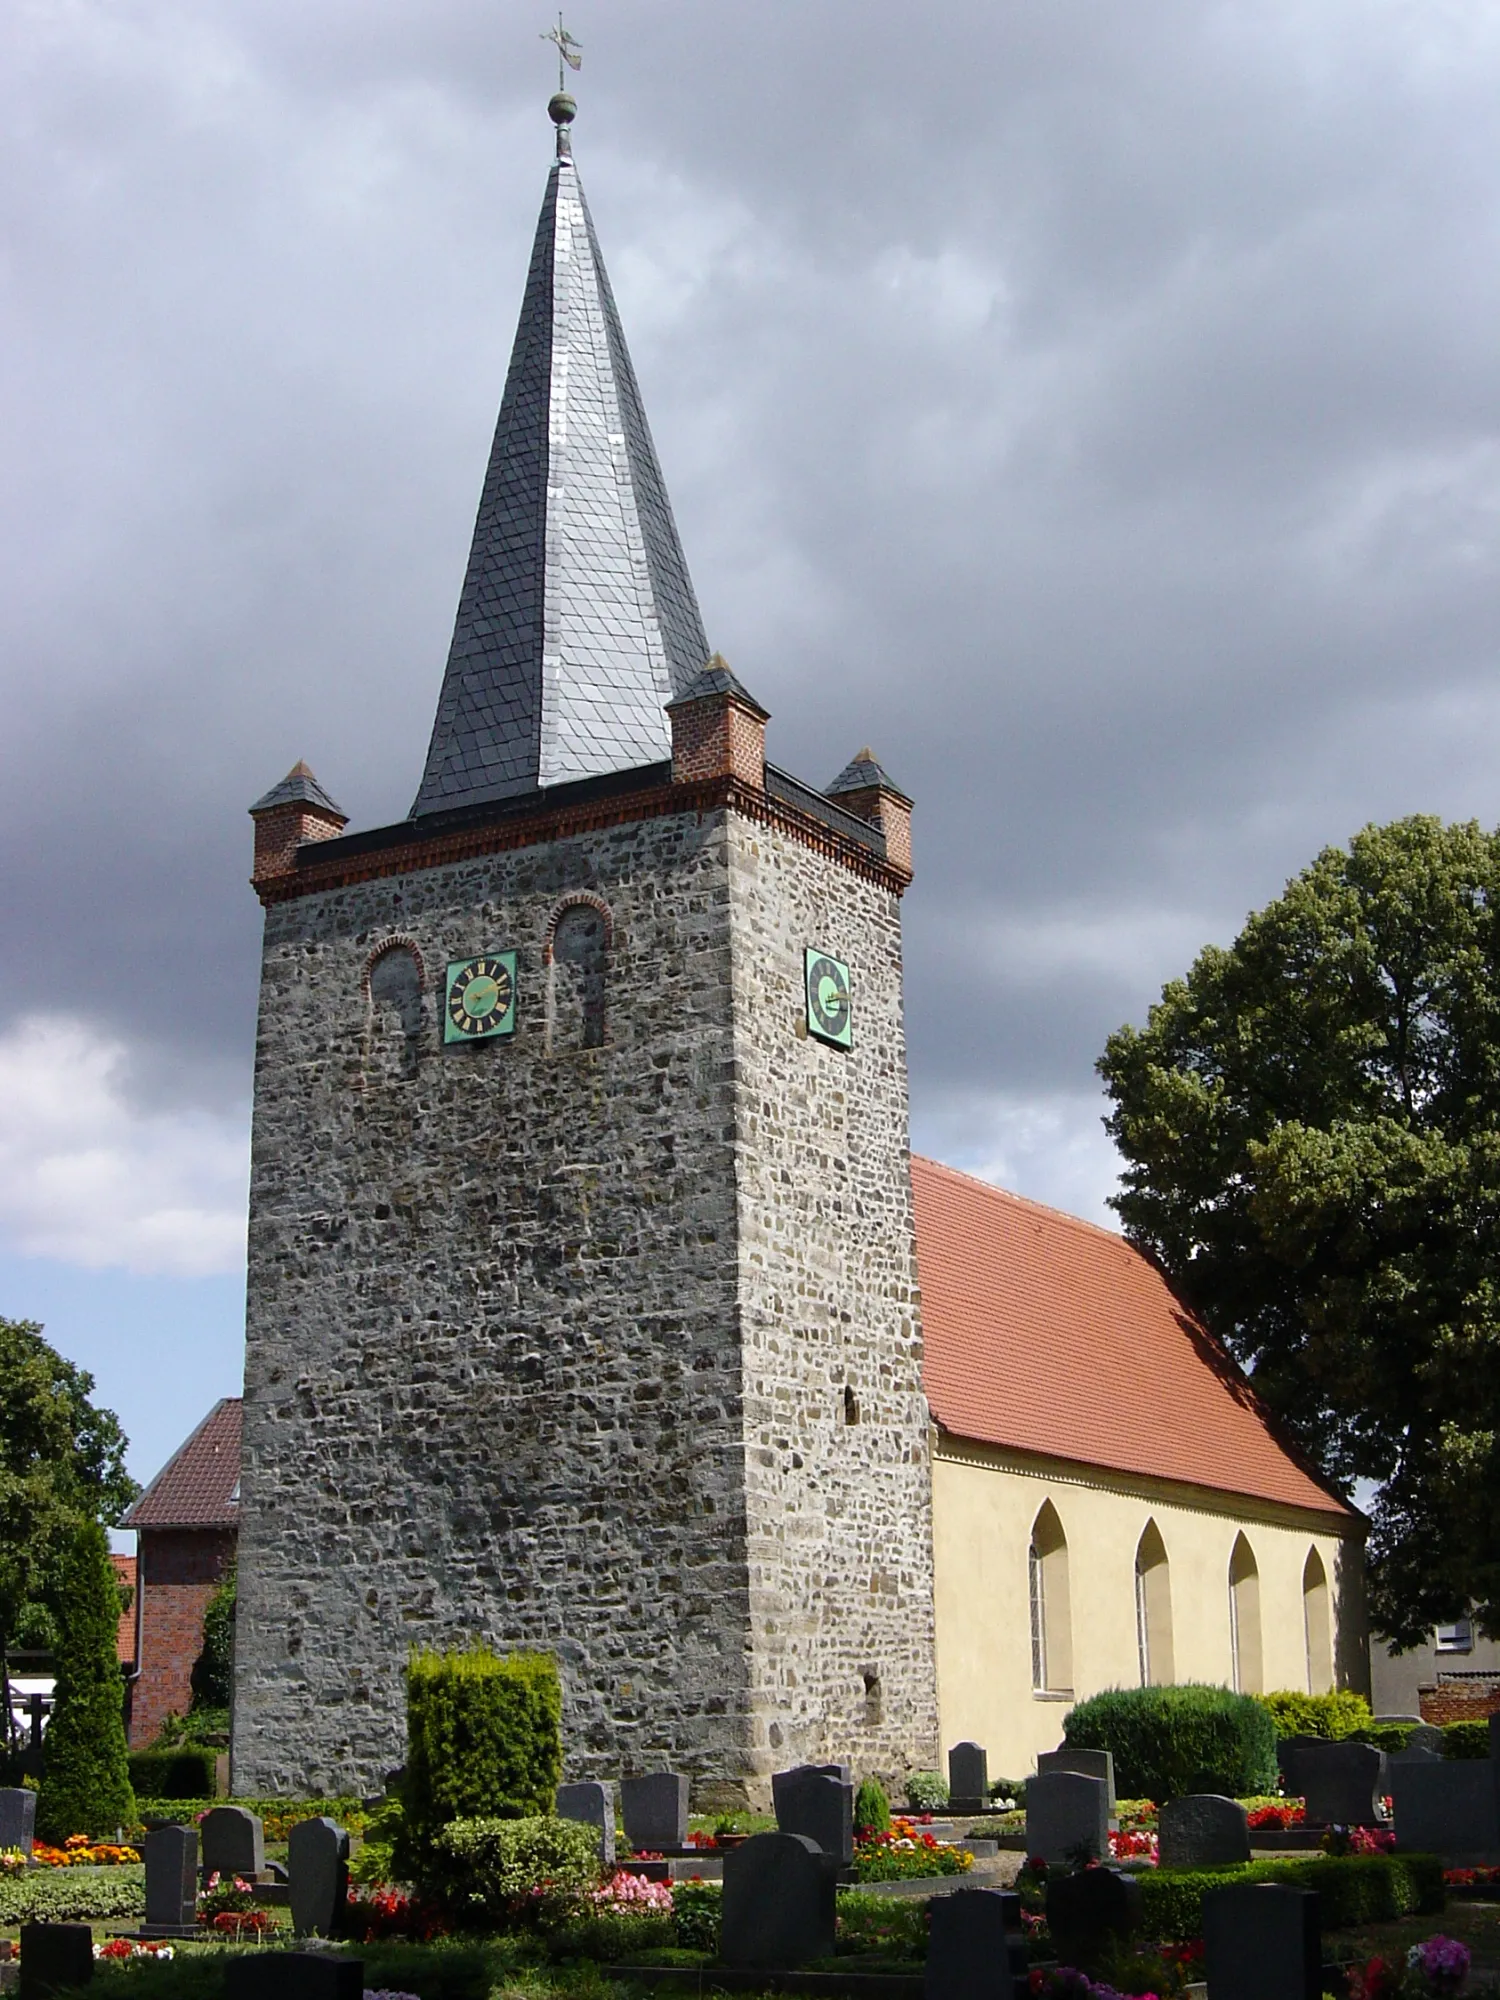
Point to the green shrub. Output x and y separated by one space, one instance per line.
72 1895
187 1773
1387 1736
1466 1739
375 1859
696 1910
1354 1890
85 1776
483 1738
872 1809
1168 1741
1335 1715
214 1666
926 1791
487 1866
883 1926
609 1937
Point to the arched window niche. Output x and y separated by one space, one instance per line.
1051 1609
1246 1671
577 956
1153 1608
1317 1624
394 983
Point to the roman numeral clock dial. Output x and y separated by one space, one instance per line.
481 998
830 1009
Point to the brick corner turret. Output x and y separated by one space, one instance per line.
864 789
291 813
718 730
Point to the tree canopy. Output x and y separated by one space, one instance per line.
1310 1122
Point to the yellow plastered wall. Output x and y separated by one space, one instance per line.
984 1504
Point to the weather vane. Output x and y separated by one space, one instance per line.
568 51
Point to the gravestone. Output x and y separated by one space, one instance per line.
968 1778
594 1805
1427 1736
812 1801
1066 1811
1262 1942
1089 1763
969 1945
54 1956
780 1891
1341 1782
1448 1807
1202 1830
317 1858
293 1975
234 1843
18 1819
655 1811
1494 1739
1086 1909
171 1857
1417 1753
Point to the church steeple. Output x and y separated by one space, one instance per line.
577 622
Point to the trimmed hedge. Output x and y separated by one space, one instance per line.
479 1866
1168 1741
185 1773
1334 1716
1353 1889
483 1738
1466 1739
279 1815
73 1895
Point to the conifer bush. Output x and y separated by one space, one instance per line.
86 1775
1168 1741
872 1809
483 1738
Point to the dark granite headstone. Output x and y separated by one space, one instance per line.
812 1801
54 1956
1066 1812
1086 1909
317 1858
969 1945
655 1811
1088 1763
293 1975
234 1842
1494 1740
171 1857
1427 1736
18 1819
780 1891
593 1805
1416 1753
1202 1830
1448 1807
1262 1942
1340 1782
968 1777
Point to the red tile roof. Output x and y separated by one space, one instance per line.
199 1486
124 1568
1050 1335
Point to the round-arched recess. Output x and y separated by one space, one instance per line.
1317 1624
1153 1608
1245 1659
1051 1608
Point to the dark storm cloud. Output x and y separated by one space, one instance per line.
1094 408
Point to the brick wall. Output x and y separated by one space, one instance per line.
1465 1698
178 1571
717 737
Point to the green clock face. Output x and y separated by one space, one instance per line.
830 1011
481 998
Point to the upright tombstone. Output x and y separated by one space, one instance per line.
171 1857
1494 1740
18 1819
780 1895
54 1956
1202 1830
593 1805
814 1802
969 1941
968 1778
1416 1753
1427 1736
1448 1807
1262 1942
1088 1907
293 1975
1066 1813
1341 1783
1089 1763
317 1861
234 1843
655 1812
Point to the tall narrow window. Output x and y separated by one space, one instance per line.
1317 1625
1153 1608
1051 1615
394 983
580 945
1244 1619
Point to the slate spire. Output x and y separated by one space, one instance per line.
577 622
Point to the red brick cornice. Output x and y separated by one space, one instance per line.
317 870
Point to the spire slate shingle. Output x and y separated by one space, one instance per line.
577 621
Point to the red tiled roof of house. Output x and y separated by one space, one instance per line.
124 1568
199 1486
1050 1335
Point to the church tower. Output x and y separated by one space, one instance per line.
582 1309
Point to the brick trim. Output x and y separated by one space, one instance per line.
571 901
397 941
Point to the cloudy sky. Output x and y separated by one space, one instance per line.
1095 408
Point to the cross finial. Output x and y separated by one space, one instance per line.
568 51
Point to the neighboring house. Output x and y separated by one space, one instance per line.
186 1523
1455 1677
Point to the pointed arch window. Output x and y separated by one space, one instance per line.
1153 1609
1317 1625
1244 1619
1051 1609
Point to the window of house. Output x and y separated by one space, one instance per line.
1317 1625
1153 1609
1244 1619
1051 1614
1455 1638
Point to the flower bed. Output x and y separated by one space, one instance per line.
78 1851
1472 1881
906 1853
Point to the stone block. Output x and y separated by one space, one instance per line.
234 1842
655 1811
317 1876
18 1819
1449 1807
780 1891
54 1956
1202 1830
1262 1942
1088 1763
968 1945
1066 1811
171 1857
592 1804
968 1777
293 1975
1086 1909
814 1801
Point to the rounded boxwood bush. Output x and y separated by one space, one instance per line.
1168 1741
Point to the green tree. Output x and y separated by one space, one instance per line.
86 1779
213 1670
1310 1122
62 1460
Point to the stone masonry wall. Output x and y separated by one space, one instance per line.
839 1492
492 1370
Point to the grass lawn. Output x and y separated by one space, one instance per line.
1475 1924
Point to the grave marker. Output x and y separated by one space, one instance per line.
293 1975
171 1857
1066 1811
969 1955
968 1778
234 1843
1448 1807
1085 1910
814 1802
1340 1782
1089 1763
780 1891
593 1805
54 1956
655 1811
18 1819
318 1876
1262 1942
1202 1830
